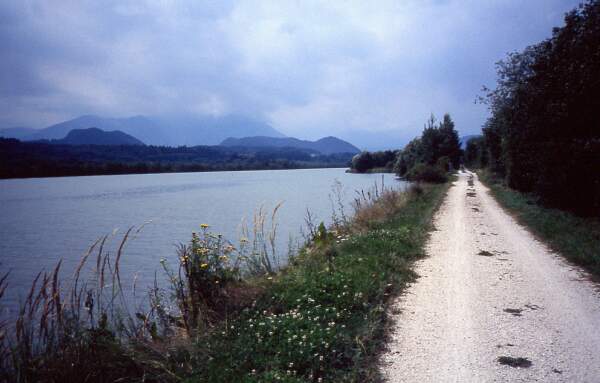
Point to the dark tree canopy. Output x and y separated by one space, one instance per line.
433 154
543 135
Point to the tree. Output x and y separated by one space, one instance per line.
362 162
543 135
438 147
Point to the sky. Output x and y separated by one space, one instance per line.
354 69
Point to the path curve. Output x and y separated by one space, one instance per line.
489 289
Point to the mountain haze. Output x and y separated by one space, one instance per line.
160 131
19 133
326 145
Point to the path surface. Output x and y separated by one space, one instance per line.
468 309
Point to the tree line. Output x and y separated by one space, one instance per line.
543 135
33 159
426 158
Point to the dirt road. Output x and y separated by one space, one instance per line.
490 290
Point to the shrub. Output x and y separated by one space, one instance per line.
362 162
426 173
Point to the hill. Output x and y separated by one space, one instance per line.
327 145
160 131
95 136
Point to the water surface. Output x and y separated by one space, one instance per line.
44 220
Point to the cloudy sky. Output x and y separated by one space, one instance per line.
310 68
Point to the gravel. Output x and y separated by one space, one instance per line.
473 318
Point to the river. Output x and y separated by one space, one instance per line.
44 220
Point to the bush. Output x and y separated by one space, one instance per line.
426 173
362 162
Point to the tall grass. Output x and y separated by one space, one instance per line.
73 329
323 317
72 332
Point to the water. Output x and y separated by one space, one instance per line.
44 220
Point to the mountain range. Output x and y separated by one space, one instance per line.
327 145
160 131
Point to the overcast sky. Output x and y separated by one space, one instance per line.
310 68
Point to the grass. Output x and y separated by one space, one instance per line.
230 315
576 238
323 317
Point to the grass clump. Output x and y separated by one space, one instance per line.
576 238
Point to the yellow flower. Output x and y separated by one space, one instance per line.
204 225
204 265
223 258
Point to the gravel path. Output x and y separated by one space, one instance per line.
487 290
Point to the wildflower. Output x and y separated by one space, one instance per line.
223 258
204 225
204 265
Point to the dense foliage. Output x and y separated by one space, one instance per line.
427 158
25 159
543 135
475 155
366 161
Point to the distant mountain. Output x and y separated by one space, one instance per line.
464 140
138 126
18 133
327 145
95 136
163 131
210 130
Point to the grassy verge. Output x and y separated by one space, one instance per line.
229 314
576 238
322 319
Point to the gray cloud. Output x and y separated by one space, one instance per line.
310 68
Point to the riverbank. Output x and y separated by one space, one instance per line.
576 238
371 171
323 316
